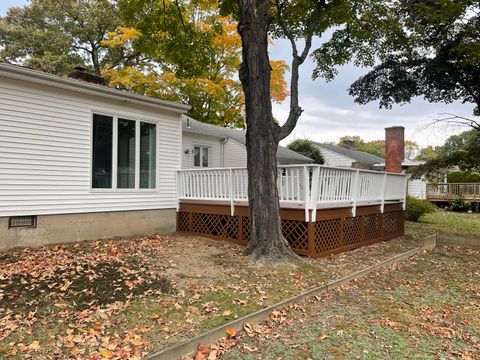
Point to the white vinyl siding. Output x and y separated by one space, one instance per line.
190 140
333 159
45 147
417 188
235 154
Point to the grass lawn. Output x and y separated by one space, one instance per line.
427 307
125 298
446 222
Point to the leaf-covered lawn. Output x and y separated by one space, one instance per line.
448 222
427 307
125 298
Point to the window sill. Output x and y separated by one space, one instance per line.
124 191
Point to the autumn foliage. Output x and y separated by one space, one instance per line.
212 89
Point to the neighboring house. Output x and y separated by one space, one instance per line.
343 157
206 145
394 144
83 161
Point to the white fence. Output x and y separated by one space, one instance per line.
307 186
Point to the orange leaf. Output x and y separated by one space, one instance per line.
231 332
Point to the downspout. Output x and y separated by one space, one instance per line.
222 151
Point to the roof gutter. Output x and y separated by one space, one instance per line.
39 77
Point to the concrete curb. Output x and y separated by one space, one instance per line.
190 346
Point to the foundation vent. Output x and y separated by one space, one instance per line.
22 222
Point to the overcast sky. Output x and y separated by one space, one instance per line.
329 112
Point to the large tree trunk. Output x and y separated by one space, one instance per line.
267 243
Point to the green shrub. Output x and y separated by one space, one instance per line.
458 204
307 148
416 208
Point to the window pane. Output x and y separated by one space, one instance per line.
147 155
126 154
204 157
102 152
196 156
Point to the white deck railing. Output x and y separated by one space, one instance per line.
308 186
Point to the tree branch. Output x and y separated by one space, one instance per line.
452 119
295 109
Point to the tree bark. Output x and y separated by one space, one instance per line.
267 244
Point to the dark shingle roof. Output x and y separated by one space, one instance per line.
357 156
197 127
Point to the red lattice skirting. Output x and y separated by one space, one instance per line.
335 230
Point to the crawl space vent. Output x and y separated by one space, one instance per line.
22 221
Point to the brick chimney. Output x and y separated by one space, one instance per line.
394 148
82 74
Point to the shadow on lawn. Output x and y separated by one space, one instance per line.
81 285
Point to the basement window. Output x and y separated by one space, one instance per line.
22 222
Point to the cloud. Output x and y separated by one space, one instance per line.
324 122
330 113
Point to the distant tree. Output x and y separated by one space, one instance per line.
435 53
427 153
462 151
307 148
374 147
411 149
56 35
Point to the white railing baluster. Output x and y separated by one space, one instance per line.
355 191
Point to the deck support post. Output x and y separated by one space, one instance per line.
311 235
384 187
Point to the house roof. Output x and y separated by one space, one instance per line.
357 156
196 127
43 78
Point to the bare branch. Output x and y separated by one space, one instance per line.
448 119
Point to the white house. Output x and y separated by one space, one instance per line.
79 160
345 157
206 145
83 161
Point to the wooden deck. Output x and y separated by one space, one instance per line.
324 210
470 192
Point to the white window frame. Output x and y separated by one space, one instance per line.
137 120
201 156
